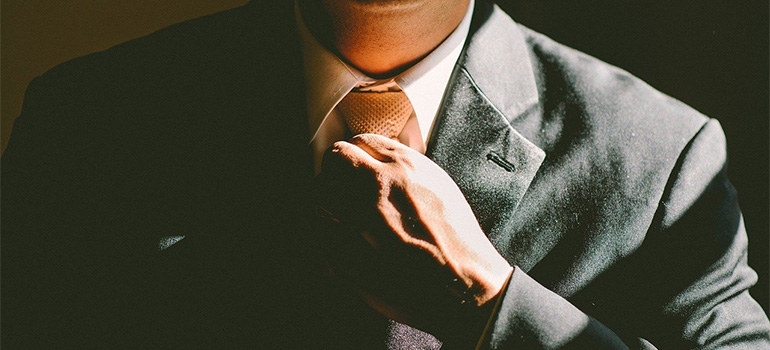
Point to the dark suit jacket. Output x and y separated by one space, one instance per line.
157 195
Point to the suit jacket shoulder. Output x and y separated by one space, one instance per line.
630 218
616 107
137 177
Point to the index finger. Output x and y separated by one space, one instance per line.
354 155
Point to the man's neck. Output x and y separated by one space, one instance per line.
382 37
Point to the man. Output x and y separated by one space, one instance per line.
161 194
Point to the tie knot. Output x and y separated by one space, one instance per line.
383 113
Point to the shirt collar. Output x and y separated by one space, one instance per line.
328 79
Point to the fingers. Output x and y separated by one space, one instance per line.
347 183
367 150
355 155
378 146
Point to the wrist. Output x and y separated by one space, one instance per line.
498 300
489 281
471 326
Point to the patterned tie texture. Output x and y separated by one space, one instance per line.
383 113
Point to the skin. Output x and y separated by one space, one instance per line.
421 257
401 233
382 37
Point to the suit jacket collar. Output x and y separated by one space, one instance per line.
497 58
473 141
492 85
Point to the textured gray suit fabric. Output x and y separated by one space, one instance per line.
403 337
610 198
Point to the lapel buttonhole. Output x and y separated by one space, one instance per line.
499 160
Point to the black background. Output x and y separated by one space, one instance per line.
712 55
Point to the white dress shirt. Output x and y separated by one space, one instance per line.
328 79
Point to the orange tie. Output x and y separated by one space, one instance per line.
383 113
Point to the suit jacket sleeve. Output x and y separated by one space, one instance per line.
694 267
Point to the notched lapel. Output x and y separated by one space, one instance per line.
473 139
491 163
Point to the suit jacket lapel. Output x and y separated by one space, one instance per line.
473 140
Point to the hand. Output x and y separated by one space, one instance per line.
406 238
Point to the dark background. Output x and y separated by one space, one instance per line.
713 55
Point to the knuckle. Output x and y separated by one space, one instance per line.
403 159
364 138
